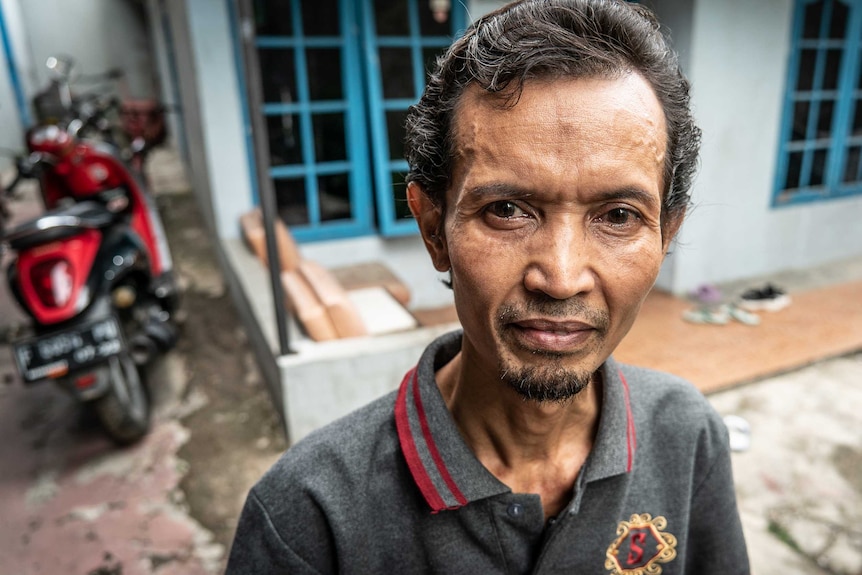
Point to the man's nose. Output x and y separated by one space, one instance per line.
560 262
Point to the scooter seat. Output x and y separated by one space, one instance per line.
59 224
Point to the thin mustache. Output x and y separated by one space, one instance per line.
551 308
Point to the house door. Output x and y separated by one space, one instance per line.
338 77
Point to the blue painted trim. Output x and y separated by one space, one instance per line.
844 98
384 166
321 169
14 78
356 136
304 41
320 106
239 68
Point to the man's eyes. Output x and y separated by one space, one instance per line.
506 210
620 216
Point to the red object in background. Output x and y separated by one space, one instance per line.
56 273
143 119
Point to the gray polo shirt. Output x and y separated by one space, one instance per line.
393 487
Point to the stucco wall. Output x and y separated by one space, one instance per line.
99 35
738 62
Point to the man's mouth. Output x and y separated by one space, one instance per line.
552 335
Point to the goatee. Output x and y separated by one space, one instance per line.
546 384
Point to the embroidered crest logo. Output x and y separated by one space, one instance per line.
641 546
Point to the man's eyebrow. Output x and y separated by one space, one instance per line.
500 190
503 190
630 193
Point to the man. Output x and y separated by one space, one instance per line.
550 160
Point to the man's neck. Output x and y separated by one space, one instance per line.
532 447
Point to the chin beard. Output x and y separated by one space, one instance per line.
546 384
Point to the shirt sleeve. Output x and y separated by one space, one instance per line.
716 542
259 549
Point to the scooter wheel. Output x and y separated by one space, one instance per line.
125 410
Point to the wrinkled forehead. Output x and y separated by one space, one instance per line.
586 114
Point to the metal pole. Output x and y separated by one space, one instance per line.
254 95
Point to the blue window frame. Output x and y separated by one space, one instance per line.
402 41
820 154
338 77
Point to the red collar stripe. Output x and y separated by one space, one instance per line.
411 454
432 447
423 459
631 434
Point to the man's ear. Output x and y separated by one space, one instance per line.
429 216
670 227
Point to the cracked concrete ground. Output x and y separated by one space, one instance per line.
800 483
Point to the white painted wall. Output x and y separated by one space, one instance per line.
737 67
220 109
98 34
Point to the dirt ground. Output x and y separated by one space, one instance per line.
236 434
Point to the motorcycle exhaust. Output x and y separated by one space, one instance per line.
156 337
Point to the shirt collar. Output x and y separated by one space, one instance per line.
444 468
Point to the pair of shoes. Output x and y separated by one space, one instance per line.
720 315
767 298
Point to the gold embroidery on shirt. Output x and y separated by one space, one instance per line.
641 545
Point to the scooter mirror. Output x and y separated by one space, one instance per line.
60 66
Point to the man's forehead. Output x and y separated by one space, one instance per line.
573 111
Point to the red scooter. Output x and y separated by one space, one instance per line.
94 273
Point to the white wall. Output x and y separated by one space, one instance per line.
737 67
220 110
98 34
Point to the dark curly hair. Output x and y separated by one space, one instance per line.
553 39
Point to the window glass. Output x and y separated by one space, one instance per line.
291 201
851 164
833 69
329 137
396 73
824 119
800 120
278 75
838 23
320 18
807 61
794 171
285 140
324 73
273 18
334 194
818 168
391 18
856 130
395 129
813 18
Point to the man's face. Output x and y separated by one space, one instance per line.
552 227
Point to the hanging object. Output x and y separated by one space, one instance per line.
440 9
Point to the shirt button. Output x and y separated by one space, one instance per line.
515 510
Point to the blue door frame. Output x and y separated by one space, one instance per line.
374 178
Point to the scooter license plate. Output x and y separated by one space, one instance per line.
55 355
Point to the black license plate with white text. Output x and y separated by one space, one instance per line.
57 354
